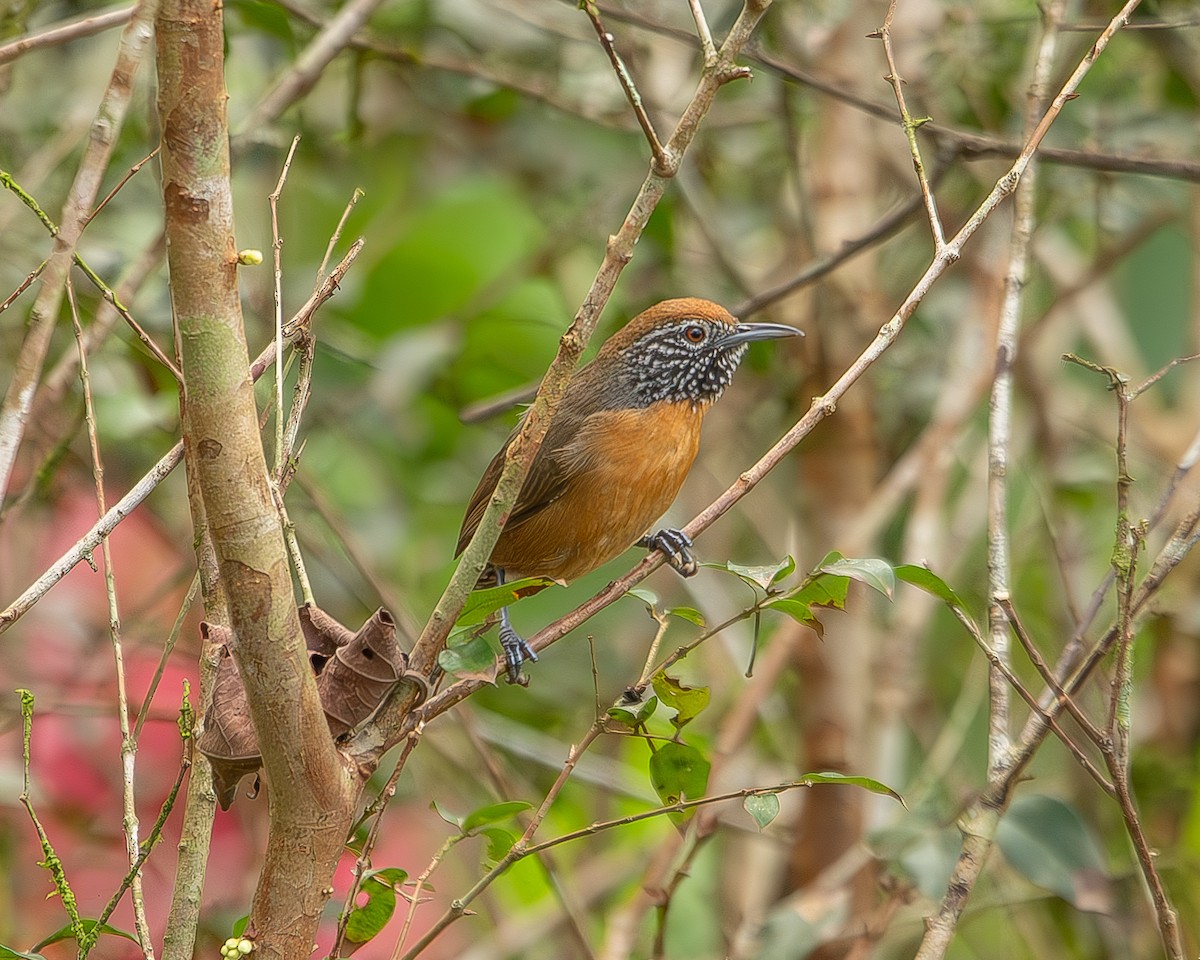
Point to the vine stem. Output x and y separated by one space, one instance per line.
519 850
128 743
522 848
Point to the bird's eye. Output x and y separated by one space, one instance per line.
695 333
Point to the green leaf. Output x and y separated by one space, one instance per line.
8 953
872 571
467 656
454 245
763 807
823 590
759 576
648 597
800 612
867 783
451 818
688 702
494 106
690 614
633 719
1045 840
787 566
646 710
621 715
481 604
367 920
492 813
89 926
928 581
499 842
679 771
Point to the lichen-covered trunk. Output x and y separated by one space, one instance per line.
311 792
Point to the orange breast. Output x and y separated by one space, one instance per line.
626 466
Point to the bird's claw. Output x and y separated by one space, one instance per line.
676 546
516 652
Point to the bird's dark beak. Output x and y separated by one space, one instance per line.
749 332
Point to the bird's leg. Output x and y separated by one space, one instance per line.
516 649
676 546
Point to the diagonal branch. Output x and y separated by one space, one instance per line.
537 419
968 143
309 66
110 296
627 84
821 407
18 400
400 716
65 32
82 548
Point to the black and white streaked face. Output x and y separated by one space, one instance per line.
693 360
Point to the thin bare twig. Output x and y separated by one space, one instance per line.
910 124
337 232
286 434
304 73
168 649
277 262
18 400
129 175
1127 547
1035 657
23 286
110 297
630 89
648 670
83 547
128 744
419 884
518 850
293 547
1159 374
707 47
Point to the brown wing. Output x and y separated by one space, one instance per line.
545 483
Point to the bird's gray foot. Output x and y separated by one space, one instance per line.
676 546
516 651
